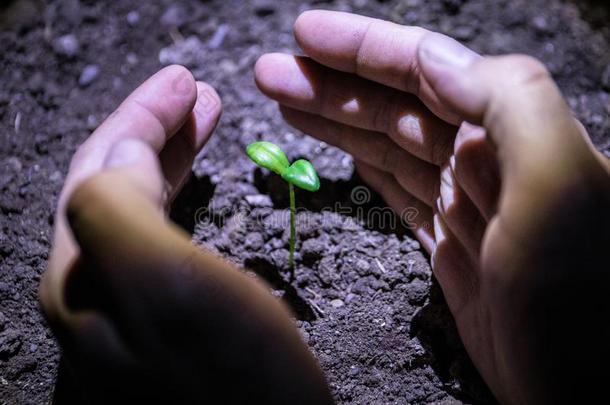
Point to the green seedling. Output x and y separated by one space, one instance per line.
301 173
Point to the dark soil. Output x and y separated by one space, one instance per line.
363 294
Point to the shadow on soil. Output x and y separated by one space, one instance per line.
271 274
196 193
351 198
434 327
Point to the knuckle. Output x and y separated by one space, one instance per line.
526 70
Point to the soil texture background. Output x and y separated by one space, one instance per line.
363 295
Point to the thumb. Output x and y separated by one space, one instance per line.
131 175
541 148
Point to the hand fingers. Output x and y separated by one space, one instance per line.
476 169
412 213
541 150
373 148
179 152
303 84
374 49
460 215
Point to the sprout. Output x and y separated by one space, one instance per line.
301 174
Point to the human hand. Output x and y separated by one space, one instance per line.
140 313
512 198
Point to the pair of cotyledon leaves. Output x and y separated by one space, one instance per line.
268 155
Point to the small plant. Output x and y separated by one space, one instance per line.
301 173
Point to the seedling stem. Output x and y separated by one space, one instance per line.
293 231
301 173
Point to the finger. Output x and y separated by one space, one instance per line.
540 148
413 213
476 170
303 84
460 215
374 49
153 113
454 268
179 152
417 177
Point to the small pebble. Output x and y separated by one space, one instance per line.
55 176
133 18
228 66
254 241
132 59
174 16
14 164
541 24
92 122
88 75
66 45
337 303
259 200
362 267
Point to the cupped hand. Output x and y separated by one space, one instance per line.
512 200
141 314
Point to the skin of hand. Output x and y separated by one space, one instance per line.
142 315
513 200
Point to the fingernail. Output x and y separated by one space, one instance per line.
126 152
443 50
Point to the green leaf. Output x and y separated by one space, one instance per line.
302 174
269 156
